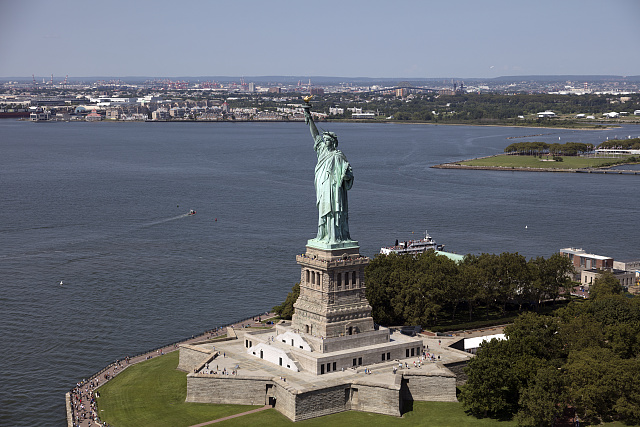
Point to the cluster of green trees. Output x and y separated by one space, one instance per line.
429 288
460 108
585 357
534 148
474 107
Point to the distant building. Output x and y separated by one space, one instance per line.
112 114
334 111
363 115
626 278
93 116
547 114
618 151
401 92
582 260
317 91
160 114
40 116
627 265
177 112
274 90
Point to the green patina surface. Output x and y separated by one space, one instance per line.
333 178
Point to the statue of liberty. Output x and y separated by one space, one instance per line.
333 178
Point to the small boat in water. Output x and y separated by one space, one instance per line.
192 212
413 246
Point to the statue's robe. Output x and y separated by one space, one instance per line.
333 177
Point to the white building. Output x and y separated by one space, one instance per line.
546 114
471 345
620 151
626 278
363 115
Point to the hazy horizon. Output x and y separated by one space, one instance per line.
409 39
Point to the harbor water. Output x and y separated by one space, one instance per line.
102 208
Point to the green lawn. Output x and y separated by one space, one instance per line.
152 393
431 414
569 162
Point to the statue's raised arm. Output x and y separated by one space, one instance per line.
308 119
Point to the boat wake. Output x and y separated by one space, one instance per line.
162 221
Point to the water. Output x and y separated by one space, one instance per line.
101 206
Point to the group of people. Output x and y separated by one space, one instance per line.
83 396
83 402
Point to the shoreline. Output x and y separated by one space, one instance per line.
83 392
605 170
385 122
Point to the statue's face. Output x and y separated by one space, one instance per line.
330 142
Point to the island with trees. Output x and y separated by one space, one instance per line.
536 156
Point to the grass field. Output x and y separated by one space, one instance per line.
569 162
152 393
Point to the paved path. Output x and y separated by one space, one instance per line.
83 407
233 416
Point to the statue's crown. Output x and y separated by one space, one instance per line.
331 135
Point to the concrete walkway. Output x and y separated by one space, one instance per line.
81 406
233 416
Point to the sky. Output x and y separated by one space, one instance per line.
347 38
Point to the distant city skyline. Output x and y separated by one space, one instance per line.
376 39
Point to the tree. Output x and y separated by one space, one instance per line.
601 384
471 280
550 276
285 310
536 335
605 284
544 399
491 389
513 279
385 277
488 264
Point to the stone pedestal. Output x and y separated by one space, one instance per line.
332 300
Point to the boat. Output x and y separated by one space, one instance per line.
192 212
413 246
